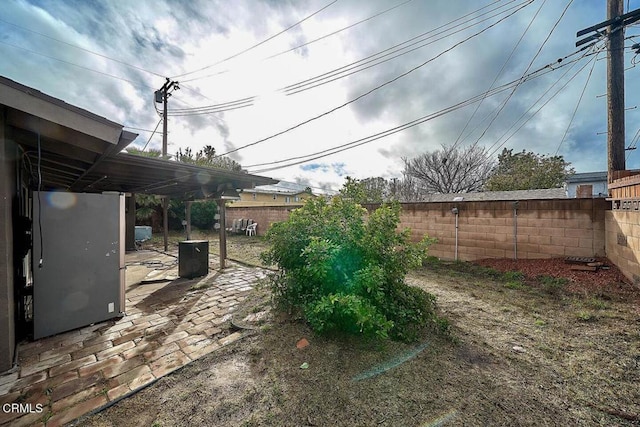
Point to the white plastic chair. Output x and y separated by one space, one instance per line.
251 229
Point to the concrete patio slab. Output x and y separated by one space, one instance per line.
169 322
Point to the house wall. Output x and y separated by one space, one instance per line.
623 242
7 197
266 199
545 228
599 188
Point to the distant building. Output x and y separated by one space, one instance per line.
541 194
577 185
269 197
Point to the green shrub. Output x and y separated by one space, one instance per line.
344 272
347 313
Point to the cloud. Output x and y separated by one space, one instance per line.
201 41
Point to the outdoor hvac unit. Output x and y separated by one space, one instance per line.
193 258
78 260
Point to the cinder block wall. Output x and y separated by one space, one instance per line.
545 228
264 216
489 229
623 242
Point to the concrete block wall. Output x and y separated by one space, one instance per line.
263 215
545 228
623 242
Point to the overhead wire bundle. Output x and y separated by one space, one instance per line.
458 25
292 161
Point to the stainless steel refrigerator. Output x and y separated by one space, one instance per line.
78 260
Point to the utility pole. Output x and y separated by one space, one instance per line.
616 21
162 95
615 91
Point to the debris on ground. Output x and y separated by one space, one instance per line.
302 343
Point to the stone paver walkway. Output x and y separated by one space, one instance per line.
167 325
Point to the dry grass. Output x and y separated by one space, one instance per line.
240 247
520 357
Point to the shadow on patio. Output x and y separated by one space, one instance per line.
168 323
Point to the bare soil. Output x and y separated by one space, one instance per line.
521 354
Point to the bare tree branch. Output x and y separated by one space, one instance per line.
450 170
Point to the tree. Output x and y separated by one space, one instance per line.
376 189
450 170
527 170
202 214
368 190
148 207
404 189
152 152
207 157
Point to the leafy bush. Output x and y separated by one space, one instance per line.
202 214
343 272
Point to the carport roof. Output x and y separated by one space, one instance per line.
77 150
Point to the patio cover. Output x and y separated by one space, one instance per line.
77 150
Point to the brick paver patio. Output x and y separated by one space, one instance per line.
167 325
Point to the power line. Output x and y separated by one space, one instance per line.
343 147
257 44
538 100
82 48
314 40
498 74
504 104
299 184
75 65
575 110
341 29
151 136
393 52
537 73
140 129
376 87
390 53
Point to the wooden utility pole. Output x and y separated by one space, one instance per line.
162 95
614 31
615 90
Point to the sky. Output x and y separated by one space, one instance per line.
313 91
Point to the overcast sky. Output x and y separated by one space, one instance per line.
110 56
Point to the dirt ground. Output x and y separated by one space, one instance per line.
522 353
240 247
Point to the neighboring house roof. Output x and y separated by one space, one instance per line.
284 187
283 193
587 177
549 193
81 151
